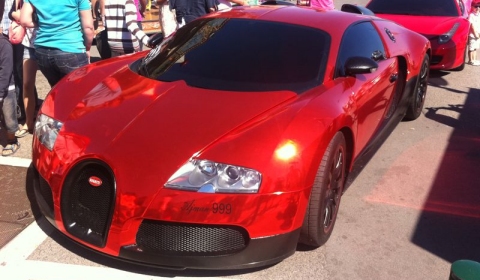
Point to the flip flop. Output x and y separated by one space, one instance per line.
10 149
21 133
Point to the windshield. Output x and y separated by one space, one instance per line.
241 55
446 8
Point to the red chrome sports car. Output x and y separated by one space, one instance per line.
229 142
443 22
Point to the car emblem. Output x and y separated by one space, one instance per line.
390 35
95 181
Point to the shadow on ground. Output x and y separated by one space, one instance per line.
450 222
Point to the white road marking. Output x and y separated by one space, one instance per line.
15 161
14 263
23 244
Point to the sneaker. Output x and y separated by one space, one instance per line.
476 63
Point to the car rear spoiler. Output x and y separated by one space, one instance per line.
355 9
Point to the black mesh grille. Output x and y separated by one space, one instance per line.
46 193
190 239
86 209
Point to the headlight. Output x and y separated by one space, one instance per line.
46 130
444 38
213 177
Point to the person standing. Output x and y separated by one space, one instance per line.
9 7
141 6
168 23
474 36
8 100
30 68
64 36
187 11
124 34
324 4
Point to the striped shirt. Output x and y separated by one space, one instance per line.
122 27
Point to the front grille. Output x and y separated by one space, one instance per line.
190 239
86 207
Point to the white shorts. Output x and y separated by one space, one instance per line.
473 44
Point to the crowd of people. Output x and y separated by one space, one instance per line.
58 39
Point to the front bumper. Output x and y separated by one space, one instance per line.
168 244
258 252
446 56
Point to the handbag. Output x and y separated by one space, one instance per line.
16 32
101 40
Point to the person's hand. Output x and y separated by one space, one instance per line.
16 15
88 56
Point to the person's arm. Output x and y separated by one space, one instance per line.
143 7
240 2
102 10
94 8
6 65
211 6
132 25
86 21
473 30
26 15
15 15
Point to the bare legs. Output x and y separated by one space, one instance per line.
30 68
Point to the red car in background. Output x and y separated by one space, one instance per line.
443 22
230 141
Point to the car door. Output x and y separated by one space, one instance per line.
370 93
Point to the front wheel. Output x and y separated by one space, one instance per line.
420 92
326 193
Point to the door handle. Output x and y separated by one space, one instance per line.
378 55
393 78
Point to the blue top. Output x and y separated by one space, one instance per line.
59 24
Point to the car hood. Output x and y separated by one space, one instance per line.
126 115
424 25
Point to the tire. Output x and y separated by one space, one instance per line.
419 93
326 193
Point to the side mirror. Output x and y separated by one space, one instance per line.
155 39
355 9
360 65
278 2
